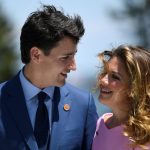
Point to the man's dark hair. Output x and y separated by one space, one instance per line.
45 28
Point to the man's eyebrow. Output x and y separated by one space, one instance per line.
71 53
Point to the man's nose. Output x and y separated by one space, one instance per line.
72 65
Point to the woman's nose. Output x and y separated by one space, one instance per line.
104 79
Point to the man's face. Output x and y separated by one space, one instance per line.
58 63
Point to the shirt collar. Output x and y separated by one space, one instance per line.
31 90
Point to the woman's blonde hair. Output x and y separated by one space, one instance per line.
137 62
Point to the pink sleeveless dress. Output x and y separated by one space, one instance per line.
110 139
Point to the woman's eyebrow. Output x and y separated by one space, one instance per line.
117 73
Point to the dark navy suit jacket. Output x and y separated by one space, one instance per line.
72 129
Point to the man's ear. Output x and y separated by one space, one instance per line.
35 54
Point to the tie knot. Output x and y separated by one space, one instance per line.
42 96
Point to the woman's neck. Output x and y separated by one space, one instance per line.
115 120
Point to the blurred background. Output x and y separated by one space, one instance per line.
108 24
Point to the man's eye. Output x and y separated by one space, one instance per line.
115 77
64 58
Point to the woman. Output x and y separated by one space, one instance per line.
124 85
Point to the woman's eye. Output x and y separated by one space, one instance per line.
115 77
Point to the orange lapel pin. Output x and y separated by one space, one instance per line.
66 107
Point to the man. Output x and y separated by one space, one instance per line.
61 117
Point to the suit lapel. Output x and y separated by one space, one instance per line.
61 105
65 105
60 114
14 100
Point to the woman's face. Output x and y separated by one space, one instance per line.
114 85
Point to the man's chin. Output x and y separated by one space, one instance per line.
60 84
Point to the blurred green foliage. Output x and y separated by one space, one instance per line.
8 56
138 11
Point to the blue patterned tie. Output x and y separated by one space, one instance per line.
41 128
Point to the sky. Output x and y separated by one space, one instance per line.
102 32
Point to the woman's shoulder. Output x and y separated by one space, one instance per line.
102 120
104 117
